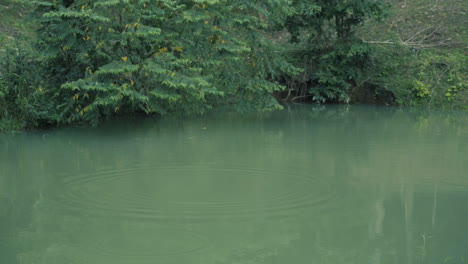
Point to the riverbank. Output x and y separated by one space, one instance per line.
416 57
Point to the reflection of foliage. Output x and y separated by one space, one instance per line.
46 241
455 260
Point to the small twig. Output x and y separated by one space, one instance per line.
417 33
301 97
432 33
381 42
408 44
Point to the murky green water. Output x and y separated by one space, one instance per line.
335 184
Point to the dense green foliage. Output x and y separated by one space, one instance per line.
105 57
23 100
332 56
93 59
425 78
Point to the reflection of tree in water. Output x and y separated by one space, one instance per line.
7 249
385 150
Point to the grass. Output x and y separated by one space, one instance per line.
15 31
423 24
14 27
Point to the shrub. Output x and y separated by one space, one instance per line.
432 78
106 57
332 57
23 94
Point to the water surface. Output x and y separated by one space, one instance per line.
310 184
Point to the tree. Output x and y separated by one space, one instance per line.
332 57
106 57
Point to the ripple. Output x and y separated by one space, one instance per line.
193 192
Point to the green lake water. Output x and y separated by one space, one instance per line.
309 184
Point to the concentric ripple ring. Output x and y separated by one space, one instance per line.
192 192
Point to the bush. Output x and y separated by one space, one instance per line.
105 58
23 95
332 56
431 78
